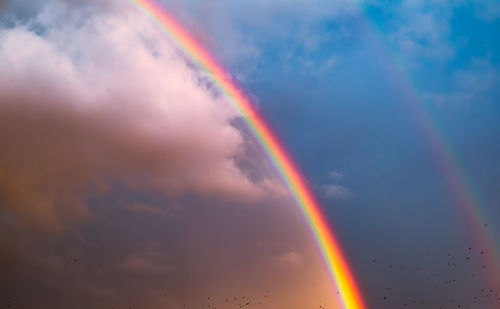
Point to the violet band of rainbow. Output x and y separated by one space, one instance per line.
338 268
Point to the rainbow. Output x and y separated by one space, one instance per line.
460 190
339 271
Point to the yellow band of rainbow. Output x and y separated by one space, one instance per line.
338 268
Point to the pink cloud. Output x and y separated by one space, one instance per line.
108 99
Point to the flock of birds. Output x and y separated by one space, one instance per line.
445 282
236 301
445 279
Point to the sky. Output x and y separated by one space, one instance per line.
127 181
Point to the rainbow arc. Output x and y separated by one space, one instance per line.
338 268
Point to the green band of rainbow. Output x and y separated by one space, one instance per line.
337 266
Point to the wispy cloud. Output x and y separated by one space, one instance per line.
488 10
333 191
336 176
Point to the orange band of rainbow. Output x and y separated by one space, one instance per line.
330 249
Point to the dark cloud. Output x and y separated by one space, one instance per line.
125 258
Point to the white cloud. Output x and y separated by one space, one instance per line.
332 191
421 30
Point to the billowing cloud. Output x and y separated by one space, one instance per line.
107 100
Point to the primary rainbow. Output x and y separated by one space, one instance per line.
349 294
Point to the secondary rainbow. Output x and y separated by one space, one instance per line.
349 293
461 191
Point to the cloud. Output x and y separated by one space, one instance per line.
290 261
334 175
332 191
241 32
475 83
421 31
103 100
488 10
480 76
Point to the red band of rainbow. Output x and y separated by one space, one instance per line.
338 268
